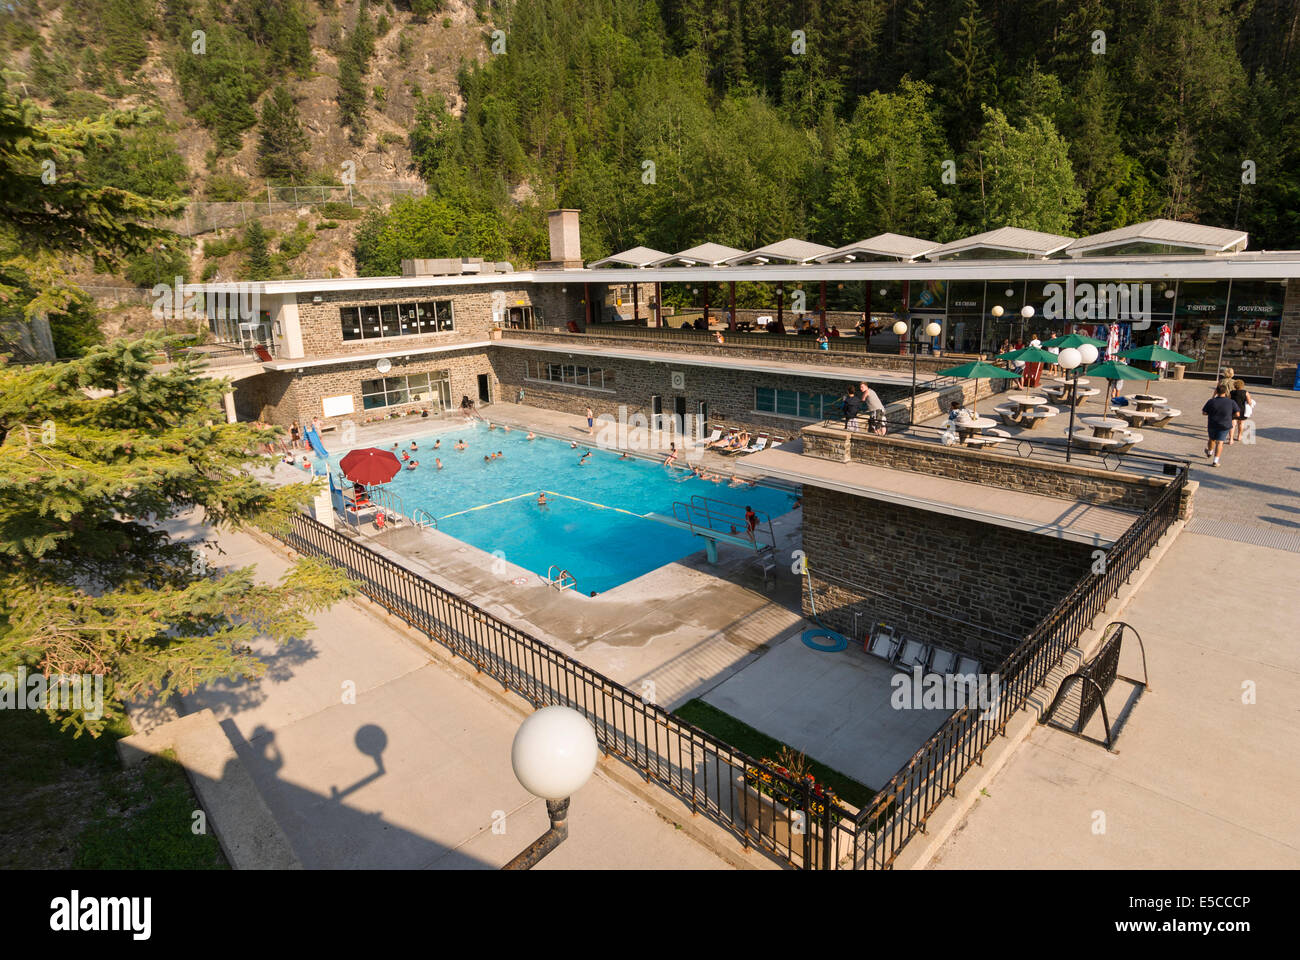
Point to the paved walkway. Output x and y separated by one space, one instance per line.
1207 765
416 773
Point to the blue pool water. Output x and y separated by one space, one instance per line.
596 528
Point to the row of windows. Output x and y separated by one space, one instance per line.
396 319
793 403
572 374
414 388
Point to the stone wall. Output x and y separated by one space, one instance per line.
472 313
281 398
1066 481
729 393
945 580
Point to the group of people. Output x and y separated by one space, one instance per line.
854 401
1226 413
737 439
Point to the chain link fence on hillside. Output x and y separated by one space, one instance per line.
204 216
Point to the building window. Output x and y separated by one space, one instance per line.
795 403
413 388
396 320
569 373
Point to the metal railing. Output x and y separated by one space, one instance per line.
853 345
715 779
902 806
712 777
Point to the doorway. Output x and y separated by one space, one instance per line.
679 415
484 388
656 412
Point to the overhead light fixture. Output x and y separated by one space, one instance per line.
317 298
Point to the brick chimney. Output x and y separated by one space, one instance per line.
566 246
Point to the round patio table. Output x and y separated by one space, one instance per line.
1026 401
1103 427
1148 401
971 427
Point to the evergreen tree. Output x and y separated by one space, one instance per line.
257 255
282 141
97 455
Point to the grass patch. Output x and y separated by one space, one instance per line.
67 803
759 745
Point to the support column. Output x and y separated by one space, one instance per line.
706 304
586 301
866 310
636 307
822 308
907 318
659 304
780 302
731 322
228 400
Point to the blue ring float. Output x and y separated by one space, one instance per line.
838 641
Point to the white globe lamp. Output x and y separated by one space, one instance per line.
997 311
932 329
554 753
1069 358
1087 353
900 328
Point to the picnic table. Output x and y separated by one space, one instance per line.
1148 401
1104 427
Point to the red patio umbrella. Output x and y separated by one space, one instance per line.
370 466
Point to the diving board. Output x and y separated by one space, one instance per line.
700 516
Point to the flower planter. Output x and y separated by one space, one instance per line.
775 826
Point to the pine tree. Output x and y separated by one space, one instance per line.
96 456
282 141
257 263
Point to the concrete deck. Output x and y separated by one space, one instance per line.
416 772
1202 774
1030 512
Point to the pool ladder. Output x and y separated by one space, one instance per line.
566 580
423 519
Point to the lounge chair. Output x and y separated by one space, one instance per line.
754 447
967 665
883 643
713 437
913 653
942 661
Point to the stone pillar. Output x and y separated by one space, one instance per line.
228 400
731 320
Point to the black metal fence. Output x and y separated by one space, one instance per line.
784 817
808 830
902 806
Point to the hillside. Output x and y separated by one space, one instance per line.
58 60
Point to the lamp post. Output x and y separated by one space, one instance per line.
997 312
932 330
553 755
1070 360
1026 314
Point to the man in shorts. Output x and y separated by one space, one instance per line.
1219 411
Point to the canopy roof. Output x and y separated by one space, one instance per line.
703 255
1008 240
890 246
636 257
788 250
1162 233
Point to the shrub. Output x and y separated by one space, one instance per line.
327 225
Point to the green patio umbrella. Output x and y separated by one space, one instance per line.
1075 340
1113 370
1156 354
978 370
1028 355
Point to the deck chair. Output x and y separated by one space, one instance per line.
714 437
942 661
913 653
883 643
967 665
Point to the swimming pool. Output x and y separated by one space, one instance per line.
595 528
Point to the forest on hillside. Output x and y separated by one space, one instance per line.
743 121
672 122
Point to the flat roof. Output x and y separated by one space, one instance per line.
1013 509
1247 265
669 358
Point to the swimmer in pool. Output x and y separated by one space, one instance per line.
582 461
541 500
461 445
625 456
531 436
413 446
437 444
438 462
